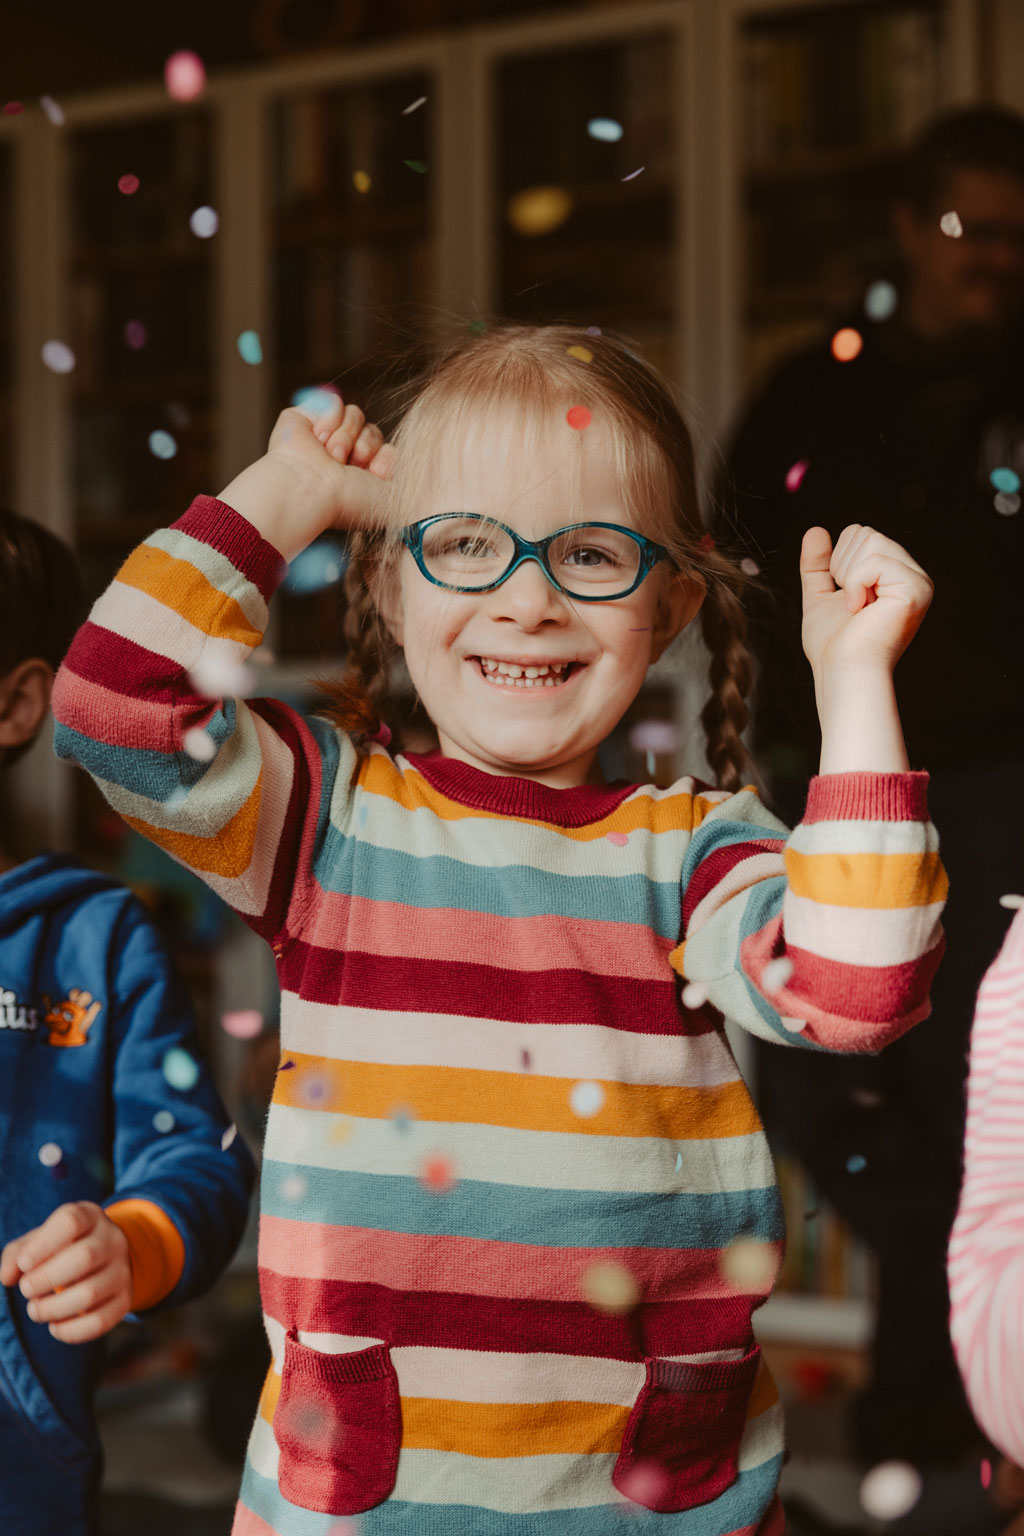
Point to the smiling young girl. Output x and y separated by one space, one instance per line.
517 1206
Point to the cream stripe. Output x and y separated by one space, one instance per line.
217 569
135 616
750 809
865 837
860 935
538 1159
760 866
344 1033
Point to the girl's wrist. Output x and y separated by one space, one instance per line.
284 503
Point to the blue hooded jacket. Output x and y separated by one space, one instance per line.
89 1080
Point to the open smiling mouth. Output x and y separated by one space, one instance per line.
532 676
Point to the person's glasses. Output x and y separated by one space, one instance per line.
467 552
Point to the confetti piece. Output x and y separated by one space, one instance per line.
749 567
606 129
128 184
180 1069
402 1117
986 1472
362 181
620 839
294 1187
795 474
382 735
228 1138
795 1026
250 348
437 1175
319 565
199 745
654 736
578 417
890 1490
748 1265
610 1287
163 1121
645 1483
594 330
526 1061
13 108
950 225
263 656
315 399
53 110
847 344
538 210
856 1162
58 356
705 542
1006 503
219 676
586 1098
414 106
419 166
286 1066
135 335
50 1154
679 1161
695 995
1013 902
340 1131
583 354
242 1023
634 174
204 222
312 1089
184 75
776 973
651 763
162 444
881 300
1005 479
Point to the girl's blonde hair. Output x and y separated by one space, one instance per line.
533 370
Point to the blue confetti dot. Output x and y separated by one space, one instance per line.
606 129
315 398
319 566
249 348
162 444
856 1163
1005 479
180 1070
679 1161
880 300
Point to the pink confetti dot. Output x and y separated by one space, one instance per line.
620 839
795 474
135 335
184 75
437 1175
128 184
986 1472
578 417
12 108
242 1023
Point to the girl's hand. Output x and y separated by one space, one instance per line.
863 601
76 1271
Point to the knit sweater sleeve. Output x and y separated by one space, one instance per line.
240 792
986 1249
828 937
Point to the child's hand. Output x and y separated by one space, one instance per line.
75 1269
863 601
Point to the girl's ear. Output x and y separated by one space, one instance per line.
679 603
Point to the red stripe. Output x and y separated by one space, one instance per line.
103 657
871 993
214 523
409 985
712 870
292 878
447 1320
867 797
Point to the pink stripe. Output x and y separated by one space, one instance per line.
481 1267
246 1523
446 933
117 719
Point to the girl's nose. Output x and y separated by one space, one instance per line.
529 598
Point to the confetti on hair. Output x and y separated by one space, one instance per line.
419 166
128 183
219 676
250 348
606 129
847 344
1011 901
53 110
438 1175
162 445
950 225
414 106
795 474
1005 479
58 356
749 567
362 181
586 1098
594 330
242 1023
164 1121
705 543
634 174
578 417
609 1286
228 1138
135 335
620 839
538 210
881 300
180 1069
890 1490
776 973
748 1265
204 222
856 1162
1006 503
199 745
50 1154
582 354
184 75
695 994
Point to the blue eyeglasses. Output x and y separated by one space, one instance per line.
468 552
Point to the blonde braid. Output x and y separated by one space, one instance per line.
731 671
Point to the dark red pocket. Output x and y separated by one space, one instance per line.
338 1426
682 1440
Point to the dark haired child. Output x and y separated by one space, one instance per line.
117 1193
517 1206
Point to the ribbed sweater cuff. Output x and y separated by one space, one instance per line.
867 797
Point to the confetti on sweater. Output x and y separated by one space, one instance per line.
218 676
890 1490
620 839
199 745
610 1287
586 1098
438 1175
163 1121
748 1265
695 994
776 973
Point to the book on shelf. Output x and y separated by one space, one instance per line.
823 1257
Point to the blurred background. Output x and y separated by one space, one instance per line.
313 186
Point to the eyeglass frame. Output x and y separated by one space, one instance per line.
529 549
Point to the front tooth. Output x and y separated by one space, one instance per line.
531 671
510 669
488 664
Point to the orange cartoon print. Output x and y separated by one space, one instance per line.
69 1021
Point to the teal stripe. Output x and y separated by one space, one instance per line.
549 1218
714 835
741 1506
156 775
764 903
353 868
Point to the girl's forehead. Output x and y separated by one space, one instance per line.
507 458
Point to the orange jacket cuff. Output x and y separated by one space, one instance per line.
156 1249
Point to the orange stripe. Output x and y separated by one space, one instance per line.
521 1101
876 880
179 585
229 853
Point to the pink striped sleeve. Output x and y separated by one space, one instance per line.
986 1249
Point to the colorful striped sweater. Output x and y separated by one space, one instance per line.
512 1184
986 1249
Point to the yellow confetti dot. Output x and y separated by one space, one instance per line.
362 181
340 1131
748 1265
583 353
538 210
610 1287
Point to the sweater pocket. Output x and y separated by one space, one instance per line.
682 1438
338 1426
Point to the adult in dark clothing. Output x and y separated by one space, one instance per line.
908 436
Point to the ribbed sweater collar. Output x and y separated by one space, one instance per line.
504 796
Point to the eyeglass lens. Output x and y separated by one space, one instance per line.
473 554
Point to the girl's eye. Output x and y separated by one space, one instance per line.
469 548
589 555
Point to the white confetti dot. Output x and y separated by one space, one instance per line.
204 222
1006 503
217 677
950 225
414 106
749 567
586 1099
53 110
890 1490
748 1265
880 300
294 1188
163 1121
58 356
795 1026
1014 903
610 1287
199 746
228 1137
50 1154
776 973
695 994
634 174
